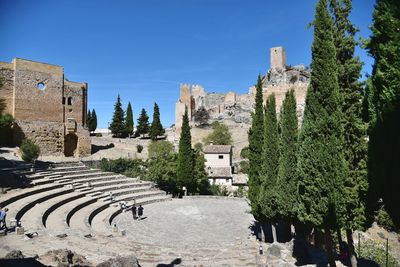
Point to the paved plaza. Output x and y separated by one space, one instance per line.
191 222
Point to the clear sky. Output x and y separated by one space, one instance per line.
143 50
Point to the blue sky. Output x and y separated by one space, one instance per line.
143 50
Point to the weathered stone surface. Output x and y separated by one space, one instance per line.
64 257
45 106
14 254
128 261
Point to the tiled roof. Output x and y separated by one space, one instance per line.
219 172
217 149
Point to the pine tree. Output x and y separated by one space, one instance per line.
185 164
287 178
143 123
321 163
355 130
117 126
384 144
269 167
93 121
88 119
129 120
156 128
256 135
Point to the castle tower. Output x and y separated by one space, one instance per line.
184 101
278 57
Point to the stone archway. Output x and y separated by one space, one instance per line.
70 144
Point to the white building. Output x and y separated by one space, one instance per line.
219 164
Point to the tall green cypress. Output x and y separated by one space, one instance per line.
143 123
156 128
384 145
270 162
129 120
321 163
117 126
93 121
355 130
287 178
88 119
256 137
185 166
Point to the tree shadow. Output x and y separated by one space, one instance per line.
177 261
26 262
97 148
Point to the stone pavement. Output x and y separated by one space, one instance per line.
201 222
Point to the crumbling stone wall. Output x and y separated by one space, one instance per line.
45 105
279 79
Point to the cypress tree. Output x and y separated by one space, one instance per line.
321 163
287 178
93 121
355 130
117 125
269 167
185 163
143 123
129 120
156 128
384 144
256 137
88 119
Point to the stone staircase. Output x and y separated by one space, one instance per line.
72 203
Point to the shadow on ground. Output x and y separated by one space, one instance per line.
96 148
177 261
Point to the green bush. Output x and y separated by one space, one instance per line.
6 122
219 190
29 150
383 219
139 148
99 135
372 251
240 192
121 165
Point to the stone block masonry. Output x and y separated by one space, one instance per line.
278 80
48 109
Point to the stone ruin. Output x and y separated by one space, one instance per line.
47 108
279 79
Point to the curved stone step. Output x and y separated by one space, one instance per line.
57 219
18 194
35 218
18 208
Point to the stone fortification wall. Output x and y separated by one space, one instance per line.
279 79
33 103
6 91
49 136
48 109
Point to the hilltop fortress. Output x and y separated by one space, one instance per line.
237 108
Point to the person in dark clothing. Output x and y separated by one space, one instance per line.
134 212
140 211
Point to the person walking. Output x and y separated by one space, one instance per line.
3 215
140 211
134 209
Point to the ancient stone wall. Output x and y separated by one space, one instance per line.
6 91
48 109
49 136
238 108
38 91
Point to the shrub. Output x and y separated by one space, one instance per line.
6 122
139 148
29 150
219 190
244 166
240 192
372 251
383 219
99 135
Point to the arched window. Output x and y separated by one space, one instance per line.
70 100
